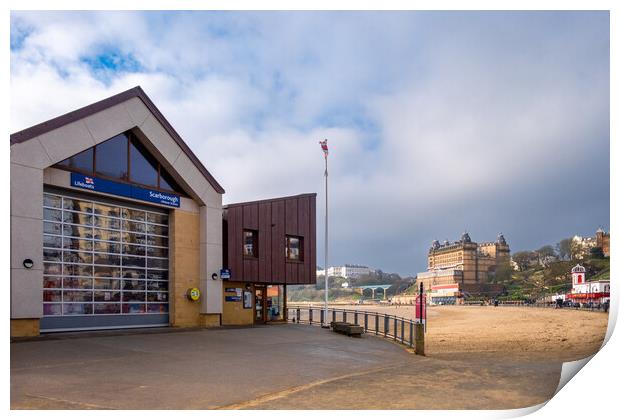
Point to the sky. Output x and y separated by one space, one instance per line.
437 122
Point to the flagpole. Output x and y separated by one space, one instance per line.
326 276
326 244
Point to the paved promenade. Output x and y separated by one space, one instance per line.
279 366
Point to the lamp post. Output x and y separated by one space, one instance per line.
325 153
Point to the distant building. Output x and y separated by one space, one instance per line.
602 241
580 246
587 291
347 271
463 267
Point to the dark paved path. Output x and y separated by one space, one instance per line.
280 366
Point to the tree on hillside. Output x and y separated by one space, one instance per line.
523 259
502 273
597 252
400 285
564 248
559 273
577 250
545 255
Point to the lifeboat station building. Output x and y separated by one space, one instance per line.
115 223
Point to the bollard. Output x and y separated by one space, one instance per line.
419 339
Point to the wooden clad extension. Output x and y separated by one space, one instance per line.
273 219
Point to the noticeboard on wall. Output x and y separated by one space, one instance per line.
247 299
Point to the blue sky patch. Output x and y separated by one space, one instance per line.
110 63
19 33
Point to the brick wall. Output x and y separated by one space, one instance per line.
184 268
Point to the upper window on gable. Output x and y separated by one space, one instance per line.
143 167
123 158
83 161
166 181
111 157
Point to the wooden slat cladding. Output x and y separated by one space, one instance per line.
303 211
278 268
312 249
273 220
264 241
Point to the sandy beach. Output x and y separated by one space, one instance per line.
476 358
510 332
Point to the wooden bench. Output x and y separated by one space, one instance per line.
352 330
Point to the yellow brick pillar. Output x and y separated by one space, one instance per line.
184 237
28 327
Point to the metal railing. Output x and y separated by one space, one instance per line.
399 329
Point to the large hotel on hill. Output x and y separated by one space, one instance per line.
461 268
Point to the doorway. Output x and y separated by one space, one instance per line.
259 304
269 303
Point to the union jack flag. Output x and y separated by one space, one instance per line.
324 147
89 180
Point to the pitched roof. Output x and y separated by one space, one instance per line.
78 114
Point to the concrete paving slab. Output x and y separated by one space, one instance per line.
186 370
273 367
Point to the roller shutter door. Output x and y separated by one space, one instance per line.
105 264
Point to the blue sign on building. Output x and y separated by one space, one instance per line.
225 273
124 190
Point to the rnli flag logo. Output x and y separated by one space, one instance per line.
89 180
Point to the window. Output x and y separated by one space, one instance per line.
143 166
250 243
294 248
166 182
111 159
122 158
82 161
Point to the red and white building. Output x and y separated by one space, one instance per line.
587 291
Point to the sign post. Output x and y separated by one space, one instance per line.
420 318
